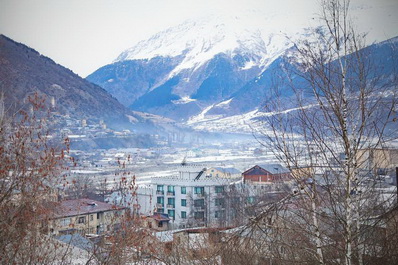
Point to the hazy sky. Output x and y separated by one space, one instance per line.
86 34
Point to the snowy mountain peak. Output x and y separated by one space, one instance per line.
199 40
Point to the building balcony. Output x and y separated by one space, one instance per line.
159 205
200 220
220 194
160 192
200 195
170 206
170 193
199 208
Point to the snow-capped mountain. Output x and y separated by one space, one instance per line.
247 118
213 67
198 41
182 70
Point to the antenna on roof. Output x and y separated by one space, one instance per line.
184 161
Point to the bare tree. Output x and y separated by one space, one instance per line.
29 170
343 105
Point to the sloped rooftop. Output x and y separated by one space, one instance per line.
82 206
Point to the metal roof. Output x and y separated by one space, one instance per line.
82 206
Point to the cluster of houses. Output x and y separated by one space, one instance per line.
198 205
196 197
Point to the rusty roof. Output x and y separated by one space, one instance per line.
82 206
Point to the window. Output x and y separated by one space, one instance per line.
81 220
171 202
183 202
65 222
219 189
199 190
199 203
233 213
199 215
184 215
219 214
171 213
91 217
250 199
183 190
159 189
170 189
235 200
160 200
219 202
160 210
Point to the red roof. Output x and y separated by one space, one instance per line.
256 170
160 217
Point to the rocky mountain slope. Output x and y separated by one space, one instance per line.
244 111
23 71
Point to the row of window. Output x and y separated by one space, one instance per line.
170 189
197 215
197 190
171 201
80 220
201 202
171 213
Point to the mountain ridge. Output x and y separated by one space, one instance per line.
233 81
24 71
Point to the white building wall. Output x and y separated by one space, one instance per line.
186 178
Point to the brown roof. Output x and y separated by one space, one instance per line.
256 170
160 217
268 169
82 206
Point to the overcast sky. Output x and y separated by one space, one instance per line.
86 34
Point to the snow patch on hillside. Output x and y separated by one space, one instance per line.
183 100
234 124
224 103
244 123
248 65
201 117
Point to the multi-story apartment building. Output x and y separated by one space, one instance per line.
193 197
85 216
190 198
